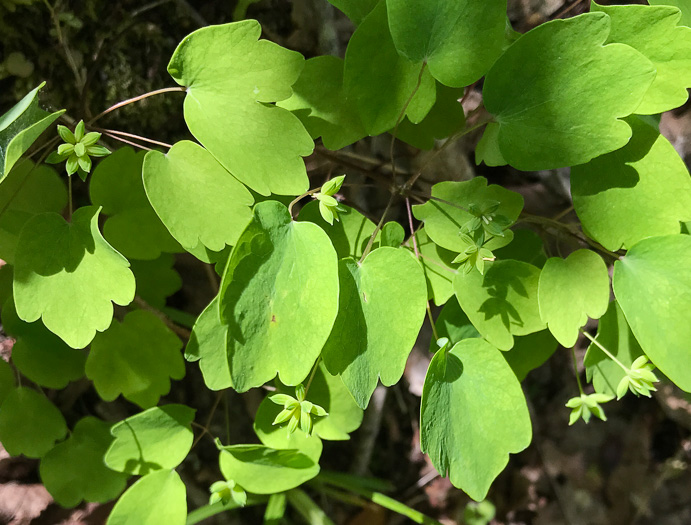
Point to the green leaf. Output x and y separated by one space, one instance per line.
158 497
438 267
472 390
196 198
653 31
7 380
639 191
320 103
444 220
27 191
549 113
356 10
20 127
349 235
67 274
487 149
683 5
444 119
392 234
379 81
614 334
156 280
571 290
453 323
459 40
652 285
231 79
135 358
207 345
281 276
29 423
527 246
132 226
158 438
40 355
73 471
382 305
263 470
503 302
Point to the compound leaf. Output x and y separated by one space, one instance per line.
381 308
503 302
474 392
29 423
135 358
379 81
438 267
320 102
207 345
571 290
196 198
158 497
27 191
639 191
444 220
158 438
231 79
156 280
653 31
132 226
652 285
459 40
614 334
67 274
20 127
281 276
550 115
73 471
263 470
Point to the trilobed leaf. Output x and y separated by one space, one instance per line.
232 78
474 392
281 277
69 276
550 114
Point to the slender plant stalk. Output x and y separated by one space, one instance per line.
575 369
607 352
136 99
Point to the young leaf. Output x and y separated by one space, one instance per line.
158 497
614 334
67 274
196 198
263 470
207 345
474 392
503 302
29 423
652 285
551 115
231 78
459 40
642 190
653 31
27 191
379 81
392 234
381 308
444 220
349 235
73 471
571 290
158 438
132 226
281 276
20 127
135 358
320 102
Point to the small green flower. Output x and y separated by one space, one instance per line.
77 149
474 255
586 405
331 187
297 411
485 218
639 379
328 205
224 491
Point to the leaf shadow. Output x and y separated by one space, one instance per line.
498 283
